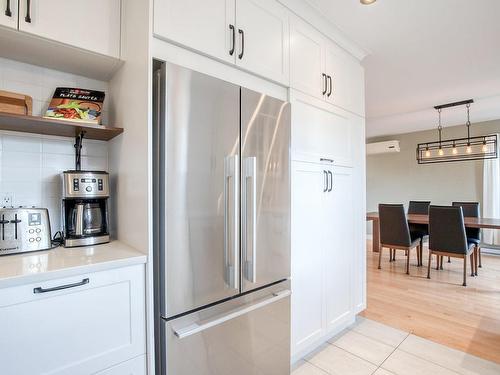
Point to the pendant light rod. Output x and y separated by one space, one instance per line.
454 104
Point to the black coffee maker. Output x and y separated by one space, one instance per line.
85 208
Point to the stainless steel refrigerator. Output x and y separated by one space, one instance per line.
222 226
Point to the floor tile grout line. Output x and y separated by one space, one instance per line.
377 340
353 354
396 348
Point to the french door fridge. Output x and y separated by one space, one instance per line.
222 226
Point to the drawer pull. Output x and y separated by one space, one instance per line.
61 287
8 12
28 11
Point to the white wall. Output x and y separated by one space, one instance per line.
31 164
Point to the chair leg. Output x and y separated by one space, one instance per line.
408 261
449 260
476 255
380 256
393 255
479 251
472 273
465 271
429 265
441 263
418 256
422 254
437 262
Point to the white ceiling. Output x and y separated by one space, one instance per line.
423 53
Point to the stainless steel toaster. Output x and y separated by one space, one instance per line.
24 229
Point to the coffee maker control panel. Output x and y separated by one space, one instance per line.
81 184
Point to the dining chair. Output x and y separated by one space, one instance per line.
471 209
395 233
422 230
447 237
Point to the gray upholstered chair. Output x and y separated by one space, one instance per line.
447 237
395 233
420 230
471 209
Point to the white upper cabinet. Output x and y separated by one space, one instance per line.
320 68
8 13
262 38
93 25
252 34
206 26
306 59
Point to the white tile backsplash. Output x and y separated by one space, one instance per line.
30 164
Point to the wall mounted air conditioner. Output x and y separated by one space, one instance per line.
382 147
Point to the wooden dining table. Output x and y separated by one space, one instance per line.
470 222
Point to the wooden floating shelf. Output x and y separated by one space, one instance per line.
63 128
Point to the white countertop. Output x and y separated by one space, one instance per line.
62 262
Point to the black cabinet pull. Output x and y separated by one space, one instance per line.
61 287
325 84
326 159
331 181
331 85
325 181
8 12
242 33
233 39
28 11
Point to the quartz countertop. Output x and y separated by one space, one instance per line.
37 266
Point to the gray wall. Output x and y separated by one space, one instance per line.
397 178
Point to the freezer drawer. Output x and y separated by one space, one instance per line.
247 335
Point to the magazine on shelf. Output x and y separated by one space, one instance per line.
75 104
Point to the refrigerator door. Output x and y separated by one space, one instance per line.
265 189
246 336
199 191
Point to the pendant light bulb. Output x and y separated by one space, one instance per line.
485 147
440 152
427 152
468 149
454 151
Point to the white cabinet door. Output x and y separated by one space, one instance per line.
263 38
93 25
306 59
95 322
320 130
136 366
339 248
308 185
8 13
201 25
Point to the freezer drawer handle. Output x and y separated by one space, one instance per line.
245 309
8 12
60 287
249 217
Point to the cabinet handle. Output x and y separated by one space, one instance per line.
233 40
325 84
331 181
331 85
61 287
242 33
28 11
326 159
8 12
325 189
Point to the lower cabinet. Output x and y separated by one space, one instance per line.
136 366
323 251
77 325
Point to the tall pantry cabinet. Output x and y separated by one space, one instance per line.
328 188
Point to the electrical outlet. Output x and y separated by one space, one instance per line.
7 199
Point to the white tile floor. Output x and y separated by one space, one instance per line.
372 348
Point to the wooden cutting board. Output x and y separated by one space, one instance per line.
18 104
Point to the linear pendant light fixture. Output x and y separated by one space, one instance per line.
458 149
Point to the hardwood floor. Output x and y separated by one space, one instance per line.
440 309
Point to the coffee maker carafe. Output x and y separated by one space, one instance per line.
85 208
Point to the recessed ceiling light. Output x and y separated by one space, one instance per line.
367 2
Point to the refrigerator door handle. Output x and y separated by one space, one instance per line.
249 217
198 327
231 215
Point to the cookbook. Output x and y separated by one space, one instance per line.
75 104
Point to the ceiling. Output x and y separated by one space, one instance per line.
423 53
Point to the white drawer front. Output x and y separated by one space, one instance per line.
73 331
136 366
